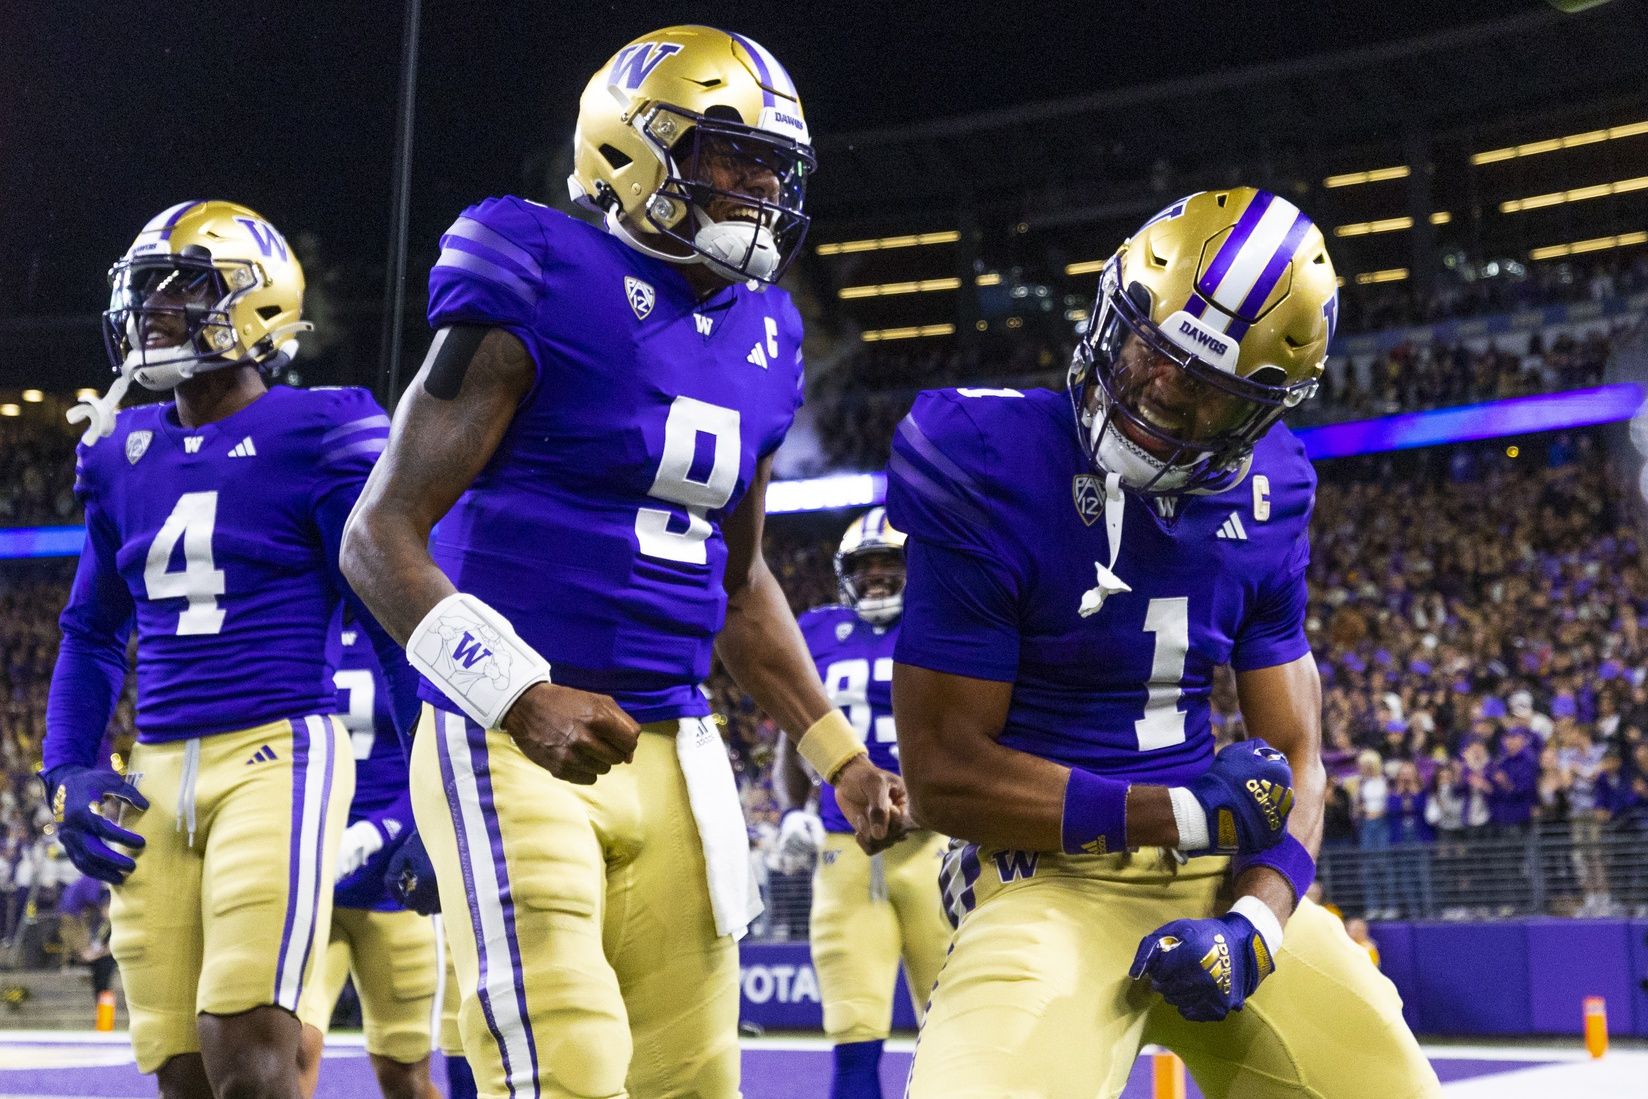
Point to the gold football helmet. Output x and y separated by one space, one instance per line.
1211 322
205 285
869 538
650 124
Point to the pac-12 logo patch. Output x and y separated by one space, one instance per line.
1088 491
640 295
137 444
843 630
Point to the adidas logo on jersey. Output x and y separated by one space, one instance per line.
244 449
1233 528
264 754
191 443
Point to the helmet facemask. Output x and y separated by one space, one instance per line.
1162 416
184 295
741 235
876 594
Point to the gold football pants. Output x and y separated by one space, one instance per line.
579 920
1034 1001
867 914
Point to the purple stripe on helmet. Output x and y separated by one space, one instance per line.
300 766
1272 274
1196 306
1226 255
1237 329
449 784
166 229
318 853
506 898
767 99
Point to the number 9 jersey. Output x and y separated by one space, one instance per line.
595 528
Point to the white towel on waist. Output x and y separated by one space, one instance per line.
735 899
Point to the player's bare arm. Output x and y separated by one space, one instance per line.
437 446
1283 704
792 785
763 649
963 782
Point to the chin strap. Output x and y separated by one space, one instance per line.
1115 509
98 413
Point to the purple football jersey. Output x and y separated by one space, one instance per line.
1006 524
855 661
220 545
596 526
382 793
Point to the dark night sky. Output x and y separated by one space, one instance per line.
108 113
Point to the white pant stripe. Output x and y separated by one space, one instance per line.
497 967
289 984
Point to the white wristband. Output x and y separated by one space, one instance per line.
1264 921
1191 818
475 657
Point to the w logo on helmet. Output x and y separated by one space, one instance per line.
635 63
268 241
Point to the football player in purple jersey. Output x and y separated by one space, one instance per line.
566 524
1079 563
869 912
213 524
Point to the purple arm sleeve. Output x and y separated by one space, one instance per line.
91 660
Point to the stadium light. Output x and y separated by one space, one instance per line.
1364 228
33 396
1372 175
989 278
1551 145
841 490
1441 217
888 289
1574 194
9 409
1389 274
1085 267
1595 244
876 244
85 394
909 332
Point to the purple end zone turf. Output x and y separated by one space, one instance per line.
768 1074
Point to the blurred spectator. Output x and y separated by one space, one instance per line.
1410 833
1373 833
1514 774
1581 770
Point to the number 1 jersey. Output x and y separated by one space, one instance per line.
1007 525
220 544
595 528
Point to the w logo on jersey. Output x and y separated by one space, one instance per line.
1013 865
641 296
635 63
268 241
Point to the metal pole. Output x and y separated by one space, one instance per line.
400 205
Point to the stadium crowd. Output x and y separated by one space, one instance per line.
1479 623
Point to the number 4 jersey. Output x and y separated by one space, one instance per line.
596 526
855 663
1007 533
220 543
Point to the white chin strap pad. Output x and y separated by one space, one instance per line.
1120 455
726 244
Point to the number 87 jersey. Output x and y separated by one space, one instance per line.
595 527
220 543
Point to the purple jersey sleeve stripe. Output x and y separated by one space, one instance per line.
471 230
1272 274
453 255
1233 244
904 468
374 445
377 419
